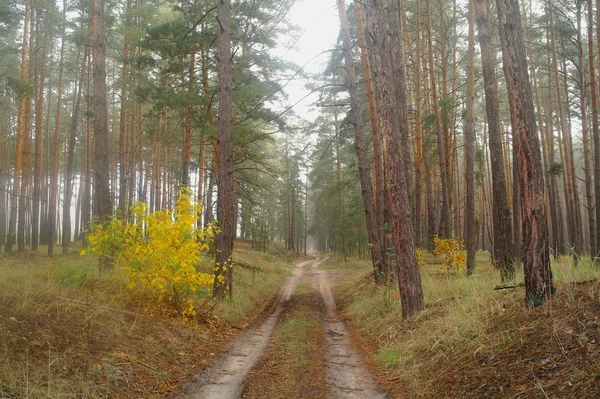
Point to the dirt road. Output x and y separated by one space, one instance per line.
342 371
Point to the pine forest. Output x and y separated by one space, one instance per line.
299 198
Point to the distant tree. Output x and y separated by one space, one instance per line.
21 131
501 212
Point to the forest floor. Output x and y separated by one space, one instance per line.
476 342
66 332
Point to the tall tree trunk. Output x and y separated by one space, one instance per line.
21 125
558 237
101 203
3 176
587 166
409 279
187 126
445 211
398 74
23 215
39 136
470 148
573 199
536 257
68 191
595 129
51 225
418 129
223 286
123 124
516 214
377 254
379 194
503 249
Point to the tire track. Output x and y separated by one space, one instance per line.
224 378
345 368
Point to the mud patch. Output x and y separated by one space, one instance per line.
294 366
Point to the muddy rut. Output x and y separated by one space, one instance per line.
346 375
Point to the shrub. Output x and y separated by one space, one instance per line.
420 260
159 251
453 251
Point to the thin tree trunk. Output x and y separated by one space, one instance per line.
223 286
587 166
377 254
21 125
445 211
22 227
101 204
39 137
68 192
574 227
469 234
503 249
51 225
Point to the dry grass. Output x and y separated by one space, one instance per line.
465 320
68 332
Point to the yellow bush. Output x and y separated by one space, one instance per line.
453 251
159 251
420 260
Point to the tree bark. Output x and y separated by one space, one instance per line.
223 285
123 124
101 202
536 257
409 279
587 166
595 129
469 234
379 194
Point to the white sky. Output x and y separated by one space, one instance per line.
320 24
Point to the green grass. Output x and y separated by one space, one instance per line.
293 336
255 284
303 289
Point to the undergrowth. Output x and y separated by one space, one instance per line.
67 331
465 318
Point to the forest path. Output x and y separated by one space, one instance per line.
339 374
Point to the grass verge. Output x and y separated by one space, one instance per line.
473 341
68 332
